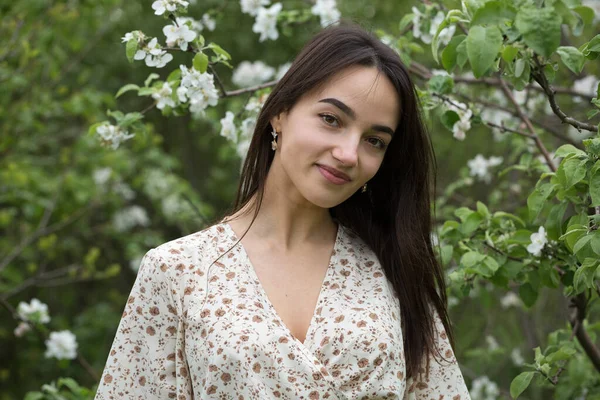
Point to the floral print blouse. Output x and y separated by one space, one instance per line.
195 330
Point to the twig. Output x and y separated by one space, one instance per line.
250 89
577 317
528 124
540 78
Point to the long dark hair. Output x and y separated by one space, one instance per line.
394 219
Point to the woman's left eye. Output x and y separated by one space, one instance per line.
329 119
379 143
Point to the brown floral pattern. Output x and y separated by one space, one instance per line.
195 330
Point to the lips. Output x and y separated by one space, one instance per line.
335 172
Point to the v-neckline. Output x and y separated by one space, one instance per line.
312 324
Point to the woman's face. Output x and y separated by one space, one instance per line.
346 125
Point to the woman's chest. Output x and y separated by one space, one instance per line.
354 333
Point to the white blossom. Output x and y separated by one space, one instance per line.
173 206
198 89
179 35
282 69
191 23
327 11
130 217
153 54
460 127
163 96
61 345
22 329
112 136
538 241
510 299
101 176
124 190
35 311
483 388
138 35
427 37
160 6
255 104
228 127
245 136
156 183
479 166
252 73
128 36
492 343
517 357
252 6
208 22
266 22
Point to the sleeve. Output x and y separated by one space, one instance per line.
444 380
147 357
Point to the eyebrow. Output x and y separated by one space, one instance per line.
350 112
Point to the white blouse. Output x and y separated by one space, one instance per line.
189 331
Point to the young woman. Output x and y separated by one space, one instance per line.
322 283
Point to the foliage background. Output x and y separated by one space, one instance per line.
61 63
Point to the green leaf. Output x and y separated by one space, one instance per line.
573 58
553 223
595 242
471 224
582 241
564 353
407 19
567 150
540 28
509 53
574 170
435 43
449 118
461 54
584 276
594 187
449 54
218 50
520 383
131 48
494 13
126 88
537 199
483 210
200 62
442 84
150 78
471 258
483 45
586 14
175 75
446 253
528 294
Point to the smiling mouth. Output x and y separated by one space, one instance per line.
330 177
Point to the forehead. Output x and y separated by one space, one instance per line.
366 90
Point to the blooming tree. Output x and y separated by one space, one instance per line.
518 220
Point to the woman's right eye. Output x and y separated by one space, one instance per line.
329 119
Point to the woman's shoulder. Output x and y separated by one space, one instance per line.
190 252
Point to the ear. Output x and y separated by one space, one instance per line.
277 121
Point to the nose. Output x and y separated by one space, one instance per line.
346 150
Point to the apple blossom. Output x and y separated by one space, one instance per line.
252 73
160 6
538 241
252 6
163 96
35 311
198 89
112 136
327 11
179 35
228 130
61 345
130 217
266 22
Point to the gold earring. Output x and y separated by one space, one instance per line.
274 142
364 188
